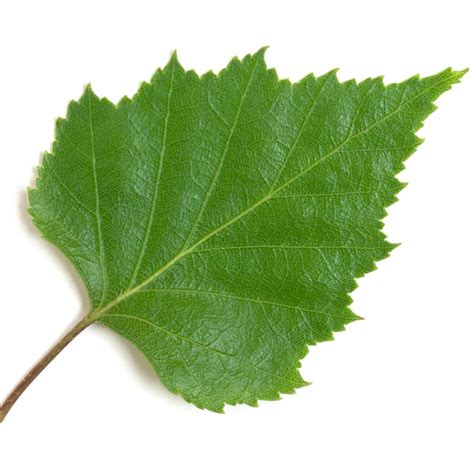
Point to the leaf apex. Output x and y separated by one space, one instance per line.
172 62
88 93
174 55
459 74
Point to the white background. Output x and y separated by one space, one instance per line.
393 394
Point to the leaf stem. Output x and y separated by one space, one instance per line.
41 365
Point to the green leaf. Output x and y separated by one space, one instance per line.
219 222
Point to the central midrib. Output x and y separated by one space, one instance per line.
96 314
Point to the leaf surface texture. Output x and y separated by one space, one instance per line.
219 222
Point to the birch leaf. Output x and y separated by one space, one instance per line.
219 222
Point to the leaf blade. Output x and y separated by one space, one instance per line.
236 210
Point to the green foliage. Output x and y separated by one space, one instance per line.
219 222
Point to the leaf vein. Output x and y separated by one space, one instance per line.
222 158
97 203
227 295
191 249
157 181
203 346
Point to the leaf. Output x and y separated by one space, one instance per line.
219 222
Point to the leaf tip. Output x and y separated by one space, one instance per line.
356 317
88 94
459 74
259 56
217 409
172 63
174 55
